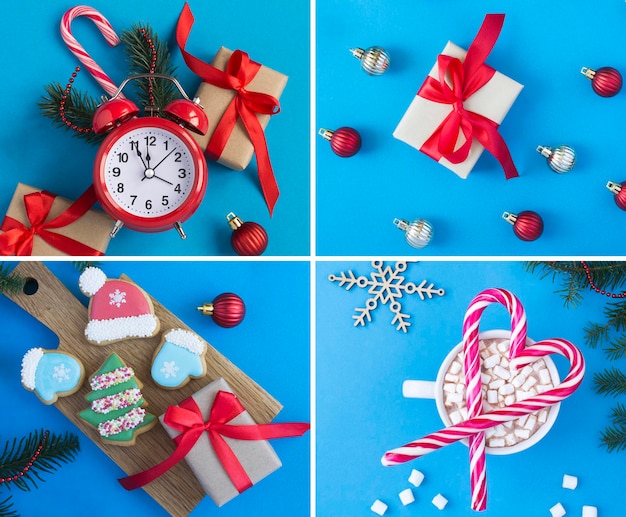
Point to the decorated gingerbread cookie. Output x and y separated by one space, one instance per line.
51 374
117 406
179 358
118 309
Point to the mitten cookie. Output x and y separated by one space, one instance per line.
117 404
118 309
51 374
179 358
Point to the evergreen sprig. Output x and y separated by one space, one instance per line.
610 382
6 508
614 436
81 265
56 450
10 282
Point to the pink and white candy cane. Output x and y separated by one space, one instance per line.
473 380
107 31
483 421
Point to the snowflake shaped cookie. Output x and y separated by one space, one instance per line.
387 286
117 298
169 369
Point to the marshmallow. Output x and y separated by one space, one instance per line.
557 510
455 367
490 361
416 477
503 346
506 389
406 496
570 482
524 434
379 507
440 501
590 511
497 442
530 382
503 373
497 384
450 377
492 396
544 376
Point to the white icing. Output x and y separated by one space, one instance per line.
117 298
169 369
29 366
99 331
186 339
61 373
91 280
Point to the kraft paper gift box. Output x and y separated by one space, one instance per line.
91 229
423 116
239 150
256 456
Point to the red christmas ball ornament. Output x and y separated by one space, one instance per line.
248 238
605 81
619 189
344 142
227 310
527 225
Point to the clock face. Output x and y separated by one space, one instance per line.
149 174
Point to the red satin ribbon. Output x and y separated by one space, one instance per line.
18 238
240 70
187 418
466 79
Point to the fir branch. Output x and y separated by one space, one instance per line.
6 508
616 348
614 438
610 382
10 282
618 415
79 109
571 286
139 55
16 456
81 265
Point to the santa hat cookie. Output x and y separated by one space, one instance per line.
51 374
179 358
118 309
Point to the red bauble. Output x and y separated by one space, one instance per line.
527 225
248 238
605 81
227 310
344 142
619 189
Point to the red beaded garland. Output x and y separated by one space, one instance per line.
152 63
595 287
33 458
66 93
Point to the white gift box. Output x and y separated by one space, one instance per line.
423 116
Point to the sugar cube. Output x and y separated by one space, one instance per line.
440 501
570 482
557 510
416 477
406 496
378 507
590 511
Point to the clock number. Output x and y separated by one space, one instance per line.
150 140
164 201
177 157
166 143
123 157
177 188
134 198
182 173
134 145
148 204
116 172
120 187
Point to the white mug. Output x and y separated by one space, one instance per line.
434 390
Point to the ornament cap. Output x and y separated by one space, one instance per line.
327 134
234 221
509 217
545 151
206 309
401 224
589 73
357 52
614 187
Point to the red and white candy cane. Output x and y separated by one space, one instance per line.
473 380
483 421
107 31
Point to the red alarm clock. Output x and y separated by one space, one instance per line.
150 174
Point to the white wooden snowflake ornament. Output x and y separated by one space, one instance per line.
387 286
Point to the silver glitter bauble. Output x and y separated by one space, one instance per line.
561 159
374 60
417 234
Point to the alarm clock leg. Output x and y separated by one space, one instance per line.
180 230
116 228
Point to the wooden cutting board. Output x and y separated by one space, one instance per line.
59 310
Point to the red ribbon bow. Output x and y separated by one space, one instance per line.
187 418
466 79
240 70
18 238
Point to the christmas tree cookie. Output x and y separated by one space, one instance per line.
179 358
51 374
117 404
118 309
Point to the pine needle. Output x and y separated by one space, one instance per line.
610 382
614 438
6 508
10 282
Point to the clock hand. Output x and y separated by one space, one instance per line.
147 154
141 158
159 178
163 159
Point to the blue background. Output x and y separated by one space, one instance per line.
361 412
35 152
271 345
543 45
